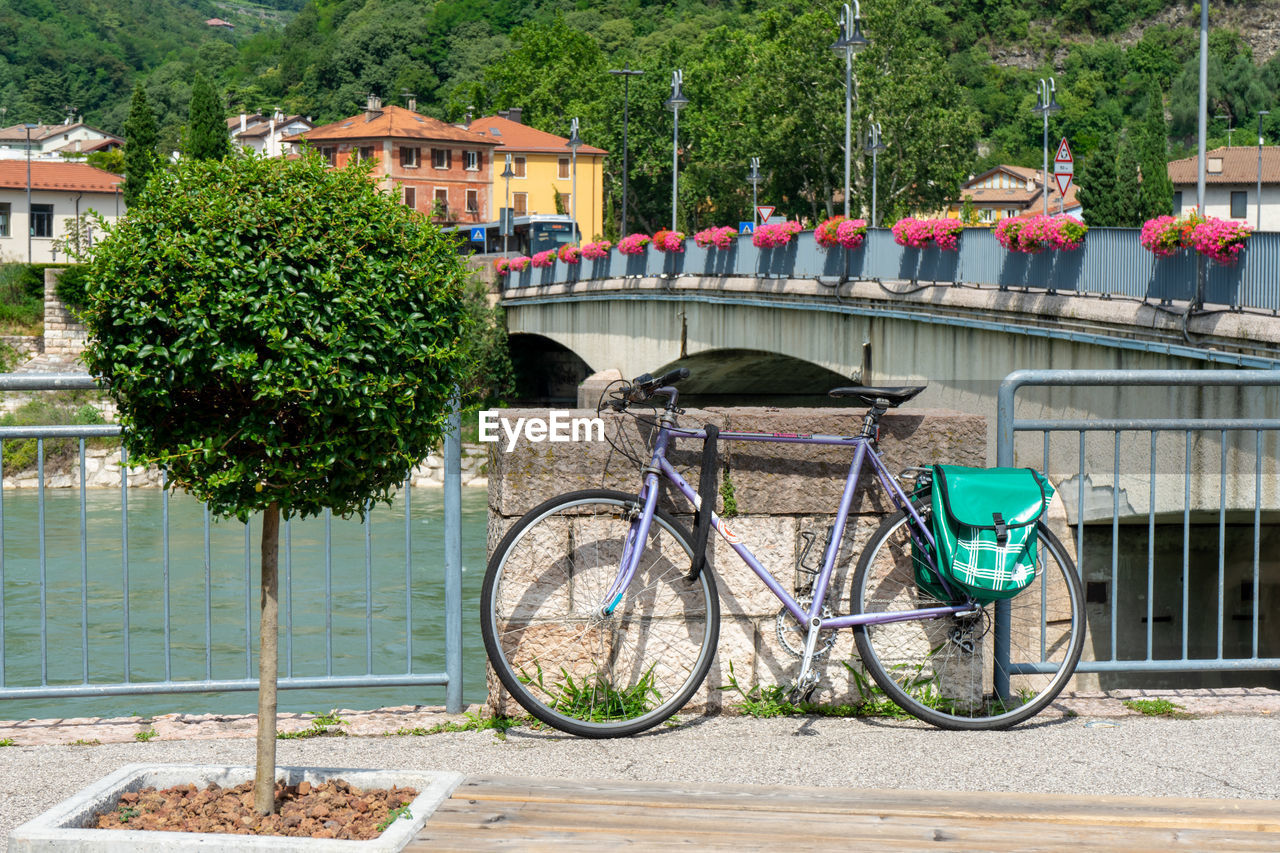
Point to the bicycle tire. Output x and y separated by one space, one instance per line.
943 670
617 675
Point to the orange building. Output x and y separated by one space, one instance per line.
437 168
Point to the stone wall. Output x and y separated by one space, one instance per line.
785 494
63 333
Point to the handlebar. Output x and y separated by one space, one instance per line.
643 387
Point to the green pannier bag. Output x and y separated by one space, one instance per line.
984 523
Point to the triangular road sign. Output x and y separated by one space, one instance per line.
1063 182
764 211
1064 152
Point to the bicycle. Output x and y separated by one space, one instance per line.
600 636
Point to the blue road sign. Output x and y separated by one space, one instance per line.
477 235
746 227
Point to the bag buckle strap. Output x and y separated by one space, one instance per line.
1002 529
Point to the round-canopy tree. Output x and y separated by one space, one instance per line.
280 337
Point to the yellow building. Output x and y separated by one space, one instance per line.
544 169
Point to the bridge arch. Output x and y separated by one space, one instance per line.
755 377
546 371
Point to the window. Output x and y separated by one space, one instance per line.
1239 205
564 167
440 158
366 152
41 220
411 197
520 203
442 201
473 201
1177 202
518 166
4 219
408 157
330 154
471 161
562 202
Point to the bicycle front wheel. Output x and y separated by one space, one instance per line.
545 631
990 669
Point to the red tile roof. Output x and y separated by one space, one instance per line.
1030 199
391 123
1239 166
514 136
54 175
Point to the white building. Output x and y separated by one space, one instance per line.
1231 184
53 140
262 133
60 192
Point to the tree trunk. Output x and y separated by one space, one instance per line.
264 781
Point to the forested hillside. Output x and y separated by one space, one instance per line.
951 82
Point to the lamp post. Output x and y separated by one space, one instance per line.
674 103
754 178
1046 103
875 146
31 223
1258 224
849 43
507 173
1229 128
574 143
626 72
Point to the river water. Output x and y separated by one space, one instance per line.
98 611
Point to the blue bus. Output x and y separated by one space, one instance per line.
530 235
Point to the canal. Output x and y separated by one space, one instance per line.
84 597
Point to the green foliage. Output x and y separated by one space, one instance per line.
21 298
140 138
7 742
207 137
71 286
146 735
1157 708
492 377
393 815
1128 203
1155 197
1096 179
55 408
108 161
322 725
277 332
474 723
727 495
596 699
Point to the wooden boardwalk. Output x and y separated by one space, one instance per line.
504 813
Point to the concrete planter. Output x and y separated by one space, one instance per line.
63 827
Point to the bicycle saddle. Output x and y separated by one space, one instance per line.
893 397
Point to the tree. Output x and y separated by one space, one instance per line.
140 158
280 338
207 137
1155 198
1097 183
1128 204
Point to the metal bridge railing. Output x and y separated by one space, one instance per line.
1173 518
1112 262
167 606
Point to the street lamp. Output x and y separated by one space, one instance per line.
627 72
1229 128
674 103
31 222
875 146
1046 103
849 43
507 173
1258 225
754 178
574 143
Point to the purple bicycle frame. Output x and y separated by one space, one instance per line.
863 453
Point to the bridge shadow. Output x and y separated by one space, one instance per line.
930 264
777 262
1051 271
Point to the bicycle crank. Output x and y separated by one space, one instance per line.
791 634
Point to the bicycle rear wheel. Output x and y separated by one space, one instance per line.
946 671
551 647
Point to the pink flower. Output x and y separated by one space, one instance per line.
544 259
668 241
518 263
839 231
633 244
596 251
769 235
1032 234
502 265
914 233
569 254
721 237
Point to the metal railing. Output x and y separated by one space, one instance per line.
1112 262
198 617
1149 483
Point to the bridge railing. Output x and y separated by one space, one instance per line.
119 591
1112 262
